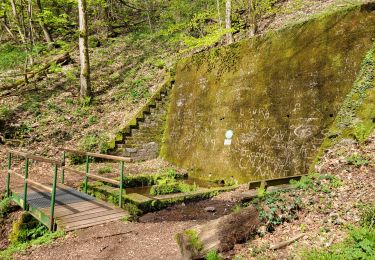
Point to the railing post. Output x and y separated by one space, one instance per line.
8 176
87 173
53 195
62 168
25 183
121 182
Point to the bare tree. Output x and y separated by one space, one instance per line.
85 89
228 20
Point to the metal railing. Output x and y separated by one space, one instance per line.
88 175
23 201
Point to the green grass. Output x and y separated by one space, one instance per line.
11 57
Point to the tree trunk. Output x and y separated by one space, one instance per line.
218 13
17 21
85 90
228 20
30 32
218 235
47 34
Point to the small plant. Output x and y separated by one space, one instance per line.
4 112
237 208
303 227
261 192
92 120
5 207
193 240
212 255
304 183
357 160
368 216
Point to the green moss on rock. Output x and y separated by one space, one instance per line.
279 93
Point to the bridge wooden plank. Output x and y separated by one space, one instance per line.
94 221
74 218
77 215
72 228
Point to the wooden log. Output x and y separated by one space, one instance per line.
218 235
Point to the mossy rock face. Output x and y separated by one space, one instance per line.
278 93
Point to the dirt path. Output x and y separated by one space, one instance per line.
139 241
150 238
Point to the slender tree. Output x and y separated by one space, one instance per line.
218 13
47 34
85 89
228 20
17 21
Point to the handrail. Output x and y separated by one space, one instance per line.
98 155
26 181
36 158
94 176
90 175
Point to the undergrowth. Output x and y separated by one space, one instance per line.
27 232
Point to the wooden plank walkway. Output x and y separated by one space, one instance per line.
73 210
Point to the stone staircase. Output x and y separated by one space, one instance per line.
141 139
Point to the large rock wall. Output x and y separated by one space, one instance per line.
278 93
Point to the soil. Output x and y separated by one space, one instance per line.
194 211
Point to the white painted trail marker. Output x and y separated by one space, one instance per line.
228 137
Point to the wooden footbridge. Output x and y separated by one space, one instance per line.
58 206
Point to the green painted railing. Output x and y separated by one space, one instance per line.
50 222
87 174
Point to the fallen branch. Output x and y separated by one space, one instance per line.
286 243
113 235
62 59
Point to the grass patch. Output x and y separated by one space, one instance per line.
11 57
